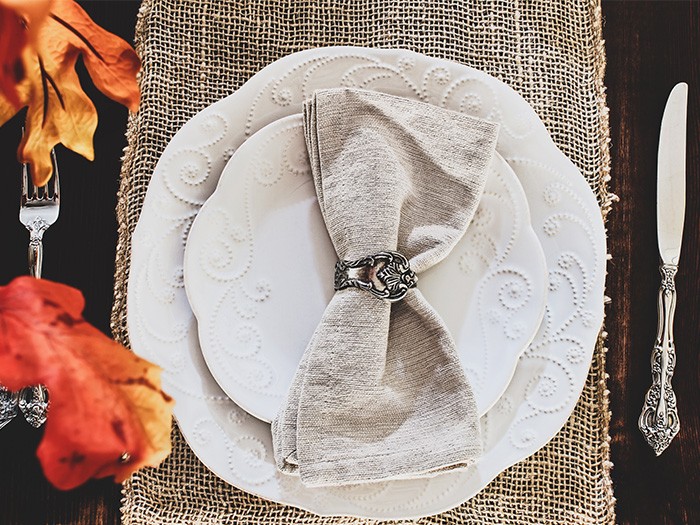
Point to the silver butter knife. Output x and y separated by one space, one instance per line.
659 418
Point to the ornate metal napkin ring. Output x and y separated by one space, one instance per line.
386 275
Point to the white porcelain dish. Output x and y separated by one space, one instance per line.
259 274
549 375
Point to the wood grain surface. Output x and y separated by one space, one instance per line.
650 46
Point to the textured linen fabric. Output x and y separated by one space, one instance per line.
195 52
380 393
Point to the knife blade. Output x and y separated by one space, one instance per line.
659 421
670 191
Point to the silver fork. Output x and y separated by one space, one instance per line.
39 207
38 210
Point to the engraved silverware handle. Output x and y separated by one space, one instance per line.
36 255
659 418
33 401
8 405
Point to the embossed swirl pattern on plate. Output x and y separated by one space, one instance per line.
549 375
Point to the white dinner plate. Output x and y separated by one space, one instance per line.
549 375
259 273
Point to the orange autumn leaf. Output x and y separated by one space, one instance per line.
15 17
32 12
58 109
111 61
104 400
13 39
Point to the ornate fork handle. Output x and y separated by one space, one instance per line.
659 418
36 247
33 401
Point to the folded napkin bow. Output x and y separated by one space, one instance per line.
380 392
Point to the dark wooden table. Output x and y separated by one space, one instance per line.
650 45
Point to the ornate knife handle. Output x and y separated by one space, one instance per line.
659 418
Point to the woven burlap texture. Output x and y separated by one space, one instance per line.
196 52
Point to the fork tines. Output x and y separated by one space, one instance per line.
50 191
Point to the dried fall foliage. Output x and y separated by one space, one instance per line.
104 400
39 48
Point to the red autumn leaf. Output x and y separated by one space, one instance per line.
104 400
58 109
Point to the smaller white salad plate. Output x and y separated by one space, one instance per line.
259 274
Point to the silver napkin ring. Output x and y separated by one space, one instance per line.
386 275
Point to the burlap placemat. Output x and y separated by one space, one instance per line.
196 52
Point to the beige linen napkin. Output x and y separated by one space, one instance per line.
380 392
